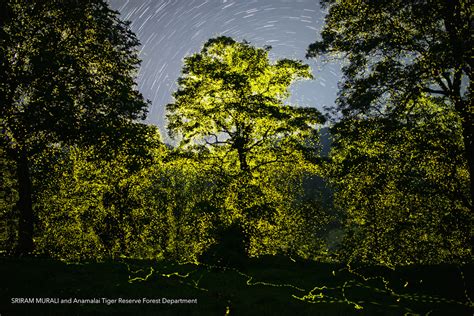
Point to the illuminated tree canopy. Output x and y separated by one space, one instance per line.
230 112
230 100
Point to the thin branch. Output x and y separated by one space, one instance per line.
264 137
442 92
448 80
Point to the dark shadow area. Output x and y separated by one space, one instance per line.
271 285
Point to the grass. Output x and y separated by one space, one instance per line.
264 286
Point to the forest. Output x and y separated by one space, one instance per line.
256 206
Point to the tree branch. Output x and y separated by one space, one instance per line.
429 90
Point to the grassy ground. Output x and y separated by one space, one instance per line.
265 286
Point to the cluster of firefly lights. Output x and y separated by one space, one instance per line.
318 294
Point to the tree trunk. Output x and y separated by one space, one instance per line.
244 167
459 42
467 133
25 206
464 110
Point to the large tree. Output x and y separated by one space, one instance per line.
67 72
396 50
230 111
230 100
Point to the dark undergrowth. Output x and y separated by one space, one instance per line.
264 286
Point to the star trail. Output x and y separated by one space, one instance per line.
170 30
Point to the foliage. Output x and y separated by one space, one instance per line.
153 206
404 185
67 76
230 115
8 197
181 199
68 73
397 50
230 100
278 215
85 204
145 201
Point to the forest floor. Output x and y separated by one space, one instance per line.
264 286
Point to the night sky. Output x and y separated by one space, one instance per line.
169 30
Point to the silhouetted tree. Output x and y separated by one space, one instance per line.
67 72
398 50
404 185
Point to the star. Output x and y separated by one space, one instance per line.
170 30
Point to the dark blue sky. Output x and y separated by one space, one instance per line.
169 30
